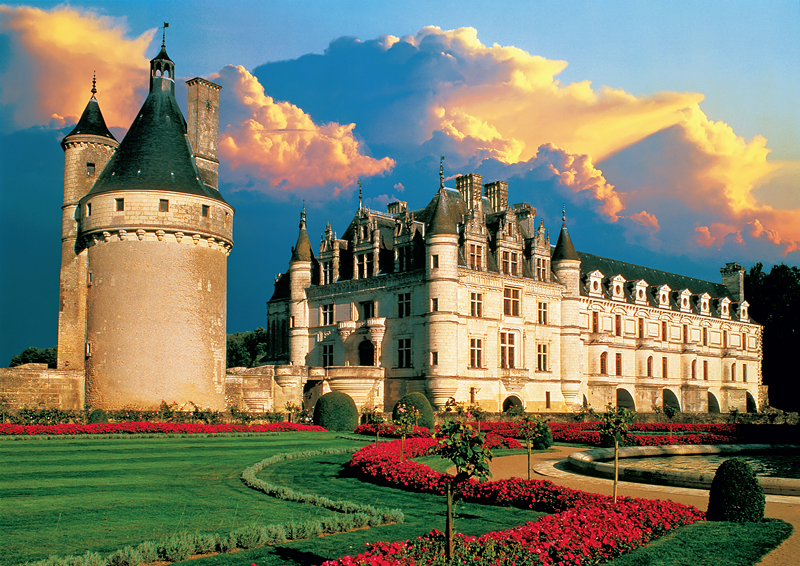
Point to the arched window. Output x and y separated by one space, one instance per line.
650 366
604 363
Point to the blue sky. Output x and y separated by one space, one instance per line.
669 129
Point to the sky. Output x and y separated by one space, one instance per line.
670 130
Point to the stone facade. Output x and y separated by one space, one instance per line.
466 300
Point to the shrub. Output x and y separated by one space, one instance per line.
336 411
98 416
421 403
735 494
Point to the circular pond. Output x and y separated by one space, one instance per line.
767 465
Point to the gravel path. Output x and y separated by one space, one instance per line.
546 466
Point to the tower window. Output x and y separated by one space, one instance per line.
595 322
434 304
204 211
434 358
705 336
434 261
694 369
88 209
641 328
685 333
163 205
120 204
90 169
744 373
663 331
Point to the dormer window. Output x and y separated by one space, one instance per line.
663 296
640 292
725 307
743 311
618 288
595 283
686 300
705 302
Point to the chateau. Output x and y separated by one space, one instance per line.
145 240
466 300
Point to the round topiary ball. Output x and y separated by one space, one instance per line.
336 411
97 416
735 494
422 405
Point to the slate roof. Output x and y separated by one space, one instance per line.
302 251
91 123
564 248
443 213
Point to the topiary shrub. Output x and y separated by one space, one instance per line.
336 411
735 494
421 403
97 416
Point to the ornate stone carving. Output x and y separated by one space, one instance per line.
160 235
140 233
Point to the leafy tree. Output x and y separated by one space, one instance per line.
774 299
35 355
245 349
536 433
405 419
615 423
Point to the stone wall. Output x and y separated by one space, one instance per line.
34 386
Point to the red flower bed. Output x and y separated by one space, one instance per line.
390 431
151 428
584 529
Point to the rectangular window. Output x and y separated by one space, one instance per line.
705 336
694 369
475 256
506 263
744 373
327 273
663 331
434 261
724 338
120 204
685 333
327 355
476 304
546 399
744 341
511 302
90 169
664 367
595 322
434 358
541 357
510 263
475 352
88 209
618 364
434 305
368 309
507 350
327 314
365 265
541 269
403 305
514 263
650 366
163 205
542 313
733 372
204 211
404 353
705 370
618 324
641 328
604 363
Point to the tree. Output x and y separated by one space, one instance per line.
245 349
535 432
35 355
405 419
615 423
774 300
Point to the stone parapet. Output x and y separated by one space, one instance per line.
35 386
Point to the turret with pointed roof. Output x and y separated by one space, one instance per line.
565 261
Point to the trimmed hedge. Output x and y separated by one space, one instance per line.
421 403
735 494
336 411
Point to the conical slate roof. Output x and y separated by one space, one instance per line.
91 122
443 213
302 251
564 248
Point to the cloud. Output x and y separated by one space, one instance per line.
280 143
53 54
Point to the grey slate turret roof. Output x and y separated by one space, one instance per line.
443 213
91 123
302 251
564 248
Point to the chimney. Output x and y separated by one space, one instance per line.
733 279
497 193
470 188
203 128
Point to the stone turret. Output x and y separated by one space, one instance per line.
299 281
565 261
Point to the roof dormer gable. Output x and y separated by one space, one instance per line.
595 283
705 304
744 306
640 292
618 288
685 300
662 296
725 307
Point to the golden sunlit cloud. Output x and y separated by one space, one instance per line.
53 55
279 142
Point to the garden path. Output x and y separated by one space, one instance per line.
544 464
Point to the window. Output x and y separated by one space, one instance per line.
434 358
475 256
476 352
604 363
434 305
405 258
744 373
163 205
733 372
327 314
368 309
744 341
541 269
511 302
403 305
724 338
510 263
650 366
705 336
204 211
434 261
663 331
595 322
404 353
685 333
664 367
476 304
694 369
327 273
641 328
546 399
364 265
514 263
327 355
120 204
541 357
507 347
705 370
90 169
88 209
618 324
618 364
542 313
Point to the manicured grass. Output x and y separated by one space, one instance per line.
711 544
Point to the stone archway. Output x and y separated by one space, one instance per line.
752 406
366 353
671 400
713 404
511 401
625 399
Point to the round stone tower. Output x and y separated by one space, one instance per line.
156 240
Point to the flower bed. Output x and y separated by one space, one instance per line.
150 428
583 529
390 431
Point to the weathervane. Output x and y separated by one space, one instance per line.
164 34
94 83
441 172
359 194
563 213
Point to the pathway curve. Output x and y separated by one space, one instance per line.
546 465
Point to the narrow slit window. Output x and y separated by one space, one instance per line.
204 211
163 205
90 169
120 204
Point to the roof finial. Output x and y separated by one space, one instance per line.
164 34
359 194
563 213
303 216
94 83
441 172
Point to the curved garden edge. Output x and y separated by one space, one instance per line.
588 462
